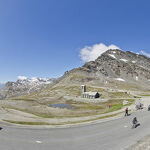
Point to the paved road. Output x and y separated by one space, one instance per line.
112 135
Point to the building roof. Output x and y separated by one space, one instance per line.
91 93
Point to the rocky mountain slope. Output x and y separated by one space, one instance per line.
114 69
24 86
122 66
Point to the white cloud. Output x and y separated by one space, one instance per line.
22 78
145 53
90 53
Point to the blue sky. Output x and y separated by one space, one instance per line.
43 38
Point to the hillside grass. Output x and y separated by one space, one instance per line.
145 95
23 98
80 109
27 123
74 90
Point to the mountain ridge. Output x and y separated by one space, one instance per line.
24 86
114 69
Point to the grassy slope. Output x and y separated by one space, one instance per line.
70 85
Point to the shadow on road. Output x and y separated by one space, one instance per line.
1 128
138 124
127 115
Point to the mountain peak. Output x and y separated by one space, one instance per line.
119 64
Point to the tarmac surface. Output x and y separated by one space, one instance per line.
111 135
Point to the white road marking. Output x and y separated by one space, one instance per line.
148 147
39 142
125 126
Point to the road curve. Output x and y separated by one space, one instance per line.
112 135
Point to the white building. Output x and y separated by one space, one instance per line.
90 95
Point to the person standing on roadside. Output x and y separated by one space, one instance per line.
126 112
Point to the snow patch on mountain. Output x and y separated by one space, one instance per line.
113 56
124 60
120 79
134 62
